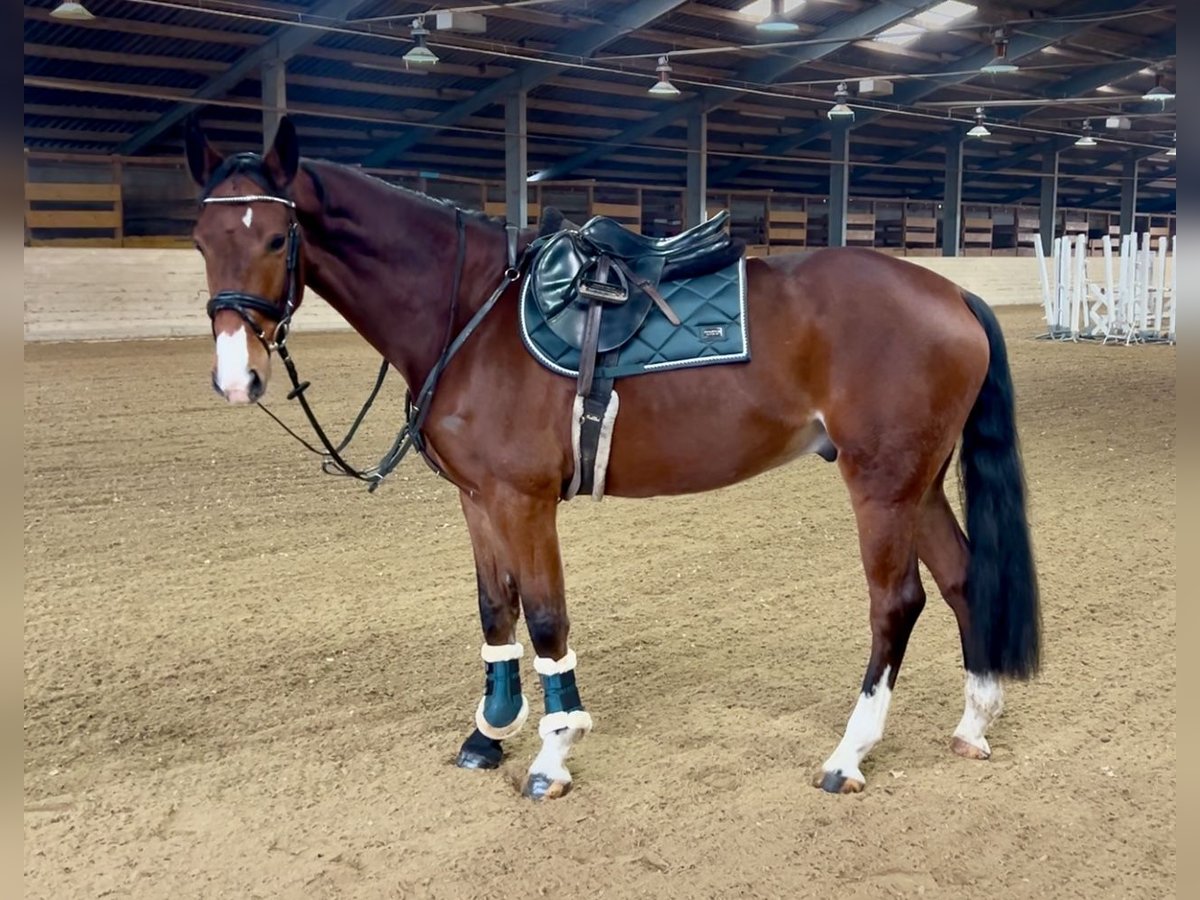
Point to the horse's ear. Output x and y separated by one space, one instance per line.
283 159
202 159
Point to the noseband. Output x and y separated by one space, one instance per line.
244 303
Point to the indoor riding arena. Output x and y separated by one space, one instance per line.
719 340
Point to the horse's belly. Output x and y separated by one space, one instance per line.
680 441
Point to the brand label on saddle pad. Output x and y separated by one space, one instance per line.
712 313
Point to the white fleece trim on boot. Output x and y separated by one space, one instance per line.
604 446
577 719
487 729
543 665
494 653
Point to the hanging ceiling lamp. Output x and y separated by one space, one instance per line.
1085 136
663 87
775 22
71 9
419 54
1158 92
980 130
840 112
1000 63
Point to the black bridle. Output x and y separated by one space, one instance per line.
280 313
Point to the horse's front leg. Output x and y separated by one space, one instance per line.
521 552
503 708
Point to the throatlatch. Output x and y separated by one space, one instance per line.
503 709
563 706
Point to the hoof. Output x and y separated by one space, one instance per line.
837 783
479 752
970 751
541 787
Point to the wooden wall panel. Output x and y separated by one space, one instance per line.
120 293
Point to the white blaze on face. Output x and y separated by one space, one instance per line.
233 365
248 217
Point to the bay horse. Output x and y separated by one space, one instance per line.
871 360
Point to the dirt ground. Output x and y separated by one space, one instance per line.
245 679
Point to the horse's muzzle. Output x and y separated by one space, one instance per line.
241 396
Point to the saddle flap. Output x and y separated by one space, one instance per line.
556 287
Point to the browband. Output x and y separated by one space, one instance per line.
251 198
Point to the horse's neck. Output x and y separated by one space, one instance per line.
385 259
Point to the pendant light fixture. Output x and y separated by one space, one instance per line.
980 130
1085 136
1158 92
419 54
840 111
1000 63
71 9
775 22
663 87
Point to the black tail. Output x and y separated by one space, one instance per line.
1002 591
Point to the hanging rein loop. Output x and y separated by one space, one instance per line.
409 435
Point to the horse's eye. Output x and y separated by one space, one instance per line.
277 243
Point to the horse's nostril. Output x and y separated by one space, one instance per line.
256 385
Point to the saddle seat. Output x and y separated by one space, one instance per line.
604 272
610 236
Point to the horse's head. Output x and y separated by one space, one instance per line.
249 237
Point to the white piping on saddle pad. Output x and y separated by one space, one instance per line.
603 446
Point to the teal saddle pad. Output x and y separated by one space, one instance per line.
712 313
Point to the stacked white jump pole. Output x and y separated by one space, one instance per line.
1135 304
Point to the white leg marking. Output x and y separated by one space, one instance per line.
985 702
552 758
863 731
248 217
233 366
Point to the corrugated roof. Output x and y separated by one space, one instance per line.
348 87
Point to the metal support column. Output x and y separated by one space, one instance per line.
516 160
839 182
274 97
1129 190
1049 200
952 196
696 197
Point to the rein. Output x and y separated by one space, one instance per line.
409 436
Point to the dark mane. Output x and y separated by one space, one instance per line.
313 168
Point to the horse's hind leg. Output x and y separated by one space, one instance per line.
943 547
887 539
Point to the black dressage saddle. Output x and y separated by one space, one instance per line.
595 284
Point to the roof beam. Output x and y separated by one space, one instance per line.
283 44
1083 83
151 29
1032 38
1091 171
761 71
529 75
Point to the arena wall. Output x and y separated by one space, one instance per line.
122 293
